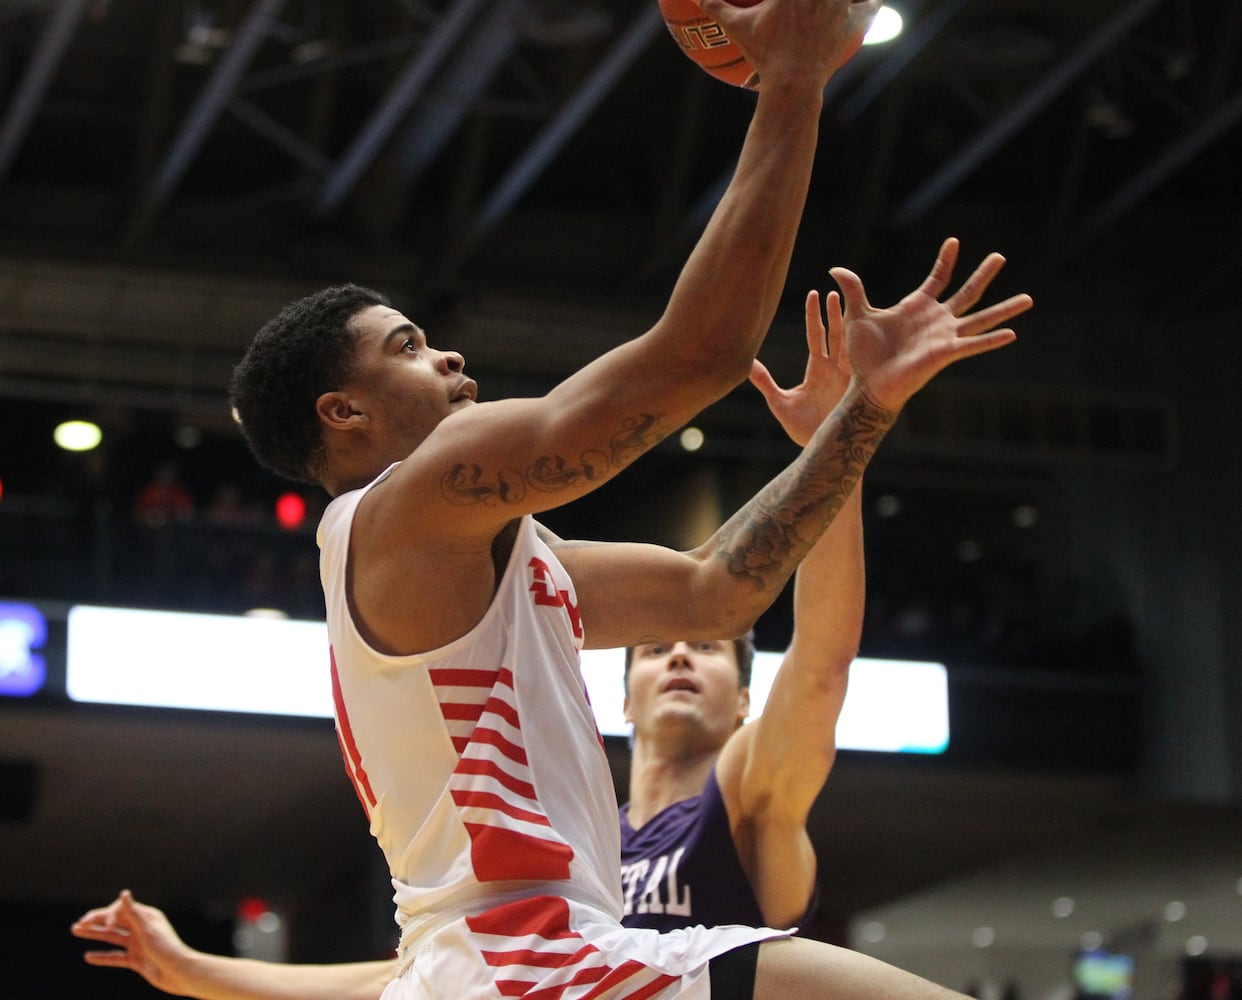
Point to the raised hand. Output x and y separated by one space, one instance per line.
896 351
801 409
799 41
142 940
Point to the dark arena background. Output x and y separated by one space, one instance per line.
1057 523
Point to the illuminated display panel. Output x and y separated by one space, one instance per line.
280 667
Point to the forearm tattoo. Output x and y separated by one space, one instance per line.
768 537
471 484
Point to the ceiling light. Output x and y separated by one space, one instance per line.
77 435
270 614
187 436
886 26
1174 911
1062 907
1091 941
890 506
691 439
873 932
982 937
1196 944
1025 516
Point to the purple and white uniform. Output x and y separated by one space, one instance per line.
682 868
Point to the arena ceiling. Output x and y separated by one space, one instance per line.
169 170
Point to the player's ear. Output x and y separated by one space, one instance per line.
625 707
743 705
337 410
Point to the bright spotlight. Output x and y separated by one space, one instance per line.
886 26
77 435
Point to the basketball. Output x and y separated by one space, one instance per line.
705 43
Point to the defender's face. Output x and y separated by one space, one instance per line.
405 386
686 684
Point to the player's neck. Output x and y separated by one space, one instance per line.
660 778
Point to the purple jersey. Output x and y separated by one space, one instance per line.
682 869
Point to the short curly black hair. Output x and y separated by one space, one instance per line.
304 351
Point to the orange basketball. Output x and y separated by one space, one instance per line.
704 42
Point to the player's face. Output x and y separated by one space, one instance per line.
405 386
686 684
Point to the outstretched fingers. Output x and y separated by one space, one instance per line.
975 324
852 290
836 329
111 959
762 380
966 297
938 278
816 334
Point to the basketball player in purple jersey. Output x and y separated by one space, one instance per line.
699 842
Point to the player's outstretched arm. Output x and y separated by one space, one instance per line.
772 770
142 939
722 586
733 281
496 461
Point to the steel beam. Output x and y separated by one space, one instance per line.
406 89
219 90
57 34
995 135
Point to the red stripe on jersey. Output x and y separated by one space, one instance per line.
350 775
498 706
498 855
627 970
608 982
353 758
654 988
489 769
580 978
542 959
489 800
492 738
450 677
544 916
458 712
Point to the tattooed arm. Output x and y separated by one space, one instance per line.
634 593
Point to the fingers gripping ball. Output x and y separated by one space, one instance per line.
706 43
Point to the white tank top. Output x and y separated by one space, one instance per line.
479 764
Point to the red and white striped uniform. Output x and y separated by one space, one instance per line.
485 781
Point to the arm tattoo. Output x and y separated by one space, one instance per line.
767 538
466 484
470 484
